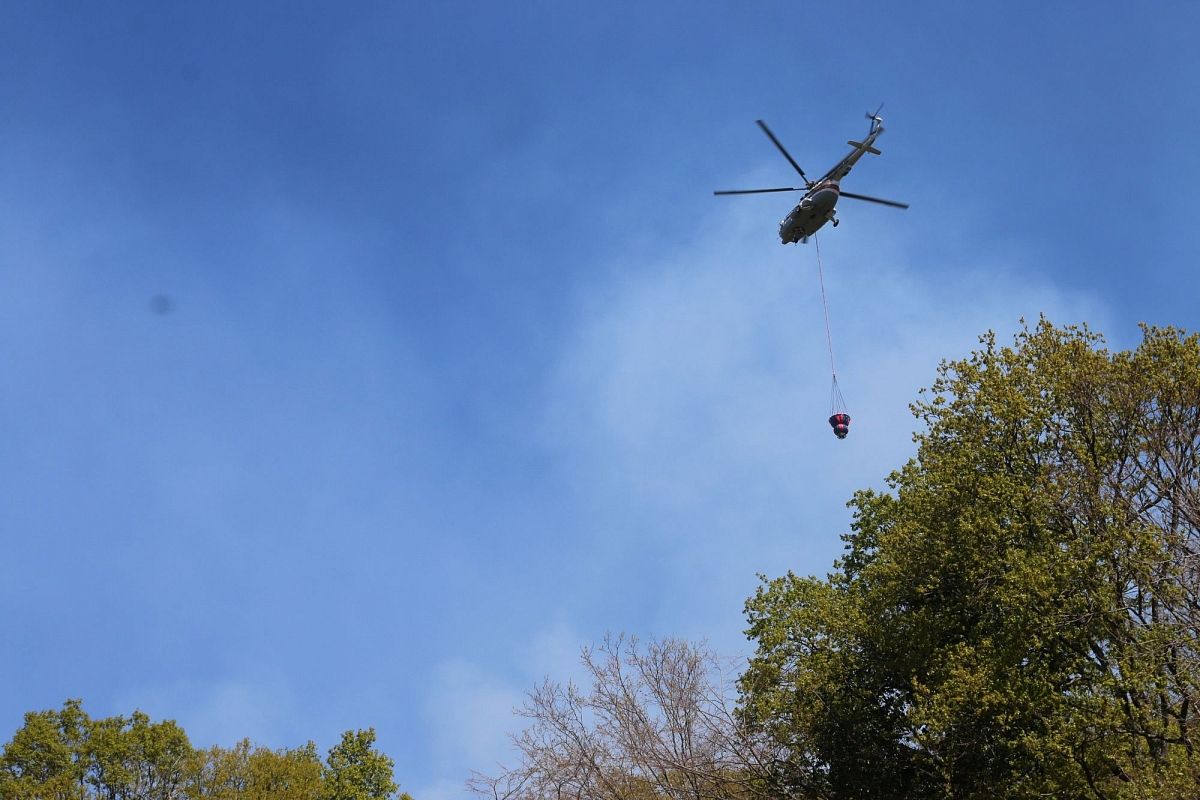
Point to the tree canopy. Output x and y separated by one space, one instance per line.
1017 616
67 755
653 720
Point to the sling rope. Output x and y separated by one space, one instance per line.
836 401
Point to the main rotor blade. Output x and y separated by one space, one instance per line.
783 150
761 191
874 200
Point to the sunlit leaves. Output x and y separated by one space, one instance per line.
1018 617
66 755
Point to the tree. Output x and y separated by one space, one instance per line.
658 722
67 755
131 758
44 759
1017 617
355 770
245 772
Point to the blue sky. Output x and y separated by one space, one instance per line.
465 366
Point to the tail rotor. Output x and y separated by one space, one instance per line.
876 120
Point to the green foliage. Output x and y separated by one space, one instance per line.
1018 618
256 773
355 770
134 758
44 759
66 755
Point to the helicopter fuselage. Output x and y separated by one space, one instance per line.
820 196
811 213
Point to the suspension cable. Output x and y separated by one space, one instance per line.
825 305
836 401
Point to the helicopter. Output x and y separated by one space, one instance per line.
820 196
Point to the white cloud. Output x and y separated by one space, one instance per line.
221 713
445 789
553 651
469 711
469 708
690 402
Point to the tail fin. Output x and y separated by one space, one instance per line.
866 147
